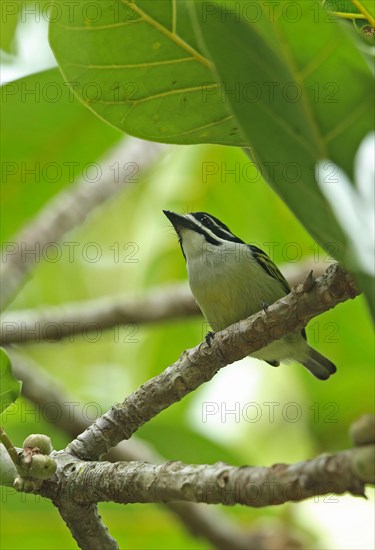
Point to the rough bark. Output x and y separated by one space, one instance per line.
220 483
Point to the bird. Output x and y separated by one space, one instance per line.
230 280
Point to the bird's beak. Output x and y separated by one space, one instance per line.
179 221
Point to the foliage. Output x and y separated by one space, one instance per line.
243 80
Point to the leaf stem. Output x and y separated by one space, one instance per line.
370 18
346 15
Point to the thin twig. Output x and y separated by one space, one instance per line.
4 439
160 304
72 320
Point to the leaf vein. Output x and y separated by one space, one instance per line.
101 27
132 65
169 34
155 96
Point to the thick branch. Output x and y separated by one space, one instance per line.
200 364
161 304
135 482
69 209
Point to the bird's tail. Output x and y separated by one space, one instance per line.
319 365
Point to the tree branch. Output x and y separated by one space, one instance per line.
56 323
160 304
137 482
86 526
69 209
41 389
200 364
90 483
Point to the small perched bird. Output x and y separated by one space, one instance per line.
231 280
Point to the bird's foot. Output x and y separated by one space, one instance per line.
309 282
265 306
209 337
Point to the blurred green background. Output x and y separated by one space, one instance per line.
309 417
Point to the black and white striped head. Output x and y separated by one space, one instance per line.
197 229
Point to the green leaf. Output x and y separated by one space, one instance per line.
48 140
10 386
139 68
320 119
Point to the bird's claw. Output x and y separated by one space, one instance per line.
265 306
209 337
309 282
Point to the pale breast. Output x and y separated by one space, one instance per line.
228 288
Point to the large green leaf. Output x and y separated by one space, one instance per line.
137 65
48 139
10 387
315 112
